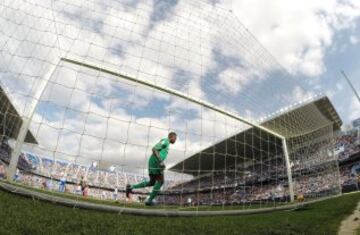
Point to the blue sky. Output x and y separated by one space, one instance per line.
313 41
347 59
342 54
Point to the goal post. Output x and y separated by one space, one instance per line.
26 121
288 169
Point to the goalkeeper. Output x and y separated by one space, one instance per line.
156 169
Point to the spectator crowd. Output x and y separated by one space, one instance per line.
261 182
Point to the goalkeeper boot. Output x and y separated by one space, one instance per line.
128 190
149 203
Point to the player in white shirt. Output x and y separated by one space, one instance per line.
115 194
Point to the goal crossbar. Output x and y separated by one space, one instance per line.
168 90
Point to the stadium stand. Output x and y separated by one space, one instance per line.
253 185
216 189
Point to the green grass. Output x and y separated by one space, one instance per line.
20 215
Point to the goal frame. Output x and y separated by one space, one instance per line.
87 64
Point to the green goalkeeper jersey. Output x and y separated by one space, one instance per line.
163 148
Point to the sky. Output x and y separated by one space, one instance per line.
251 58
313 40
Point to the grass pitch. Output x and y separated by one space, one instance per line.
20 215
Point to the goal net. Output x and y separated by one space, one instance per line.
88 88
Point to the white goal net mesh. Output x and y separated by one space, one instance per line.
95 85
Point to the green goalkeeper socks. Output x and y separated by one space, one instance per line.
155 190
145 183
141 185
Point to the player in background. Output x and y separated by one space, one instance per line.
83 185
156 168
115 194
62 183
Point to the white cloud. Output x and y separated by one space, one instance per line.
234 79
299 94
354 40
354 109
297 33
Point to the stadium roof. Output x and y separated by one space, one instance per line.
10 119
305 118
254 145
